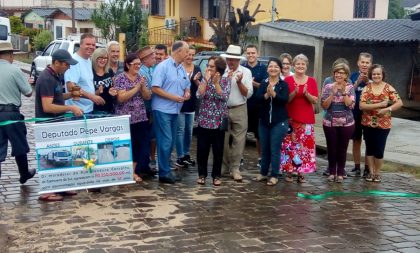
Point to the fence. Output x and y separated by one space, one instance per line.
20 42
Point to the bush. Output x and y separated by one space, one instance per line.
42 39
31 33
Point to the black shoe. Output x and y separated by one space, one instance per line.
150 173
365 173
242 162
167 180
356 173
29 175
326 172
180 163
187 159
354 169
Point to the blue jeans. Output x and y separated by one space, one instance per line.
184 134
271 139
165 128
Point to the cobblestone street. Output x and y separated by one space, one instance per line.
186 217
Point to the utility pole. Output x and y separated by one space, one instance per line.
73 23
273 10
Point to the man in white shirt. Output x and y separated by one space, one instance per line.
81 74
241 90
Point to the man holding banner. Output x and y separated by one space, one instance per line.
49 98
13 83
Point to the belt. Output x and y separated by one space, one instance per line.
9 108
235 106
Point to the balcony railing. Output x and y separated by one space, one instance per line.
187 29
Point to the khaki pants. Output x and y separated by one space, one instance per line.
238 126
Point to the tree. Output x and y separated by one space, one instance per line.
16 25
120 16
395 11
234 31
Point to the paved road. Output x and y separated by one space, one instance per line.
236 217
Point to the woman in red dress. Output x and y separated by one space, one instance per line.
298 151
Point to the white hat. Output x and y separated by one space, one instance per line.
233 52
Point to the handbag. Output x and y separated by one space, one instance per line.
225 124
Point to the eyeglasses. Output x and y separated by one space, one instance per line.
340 73
135 63
286 63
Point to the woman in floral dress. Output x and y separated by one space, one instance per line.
298 151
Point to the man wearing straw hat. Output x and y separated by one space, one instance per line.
13 83
241 90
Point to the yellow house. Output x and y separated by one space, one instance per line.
169 19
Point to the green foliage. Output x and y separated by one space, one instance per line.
16 25
42 40
31 33
119 16
395 11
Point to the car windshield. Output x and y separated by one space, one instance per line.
63 153
3 32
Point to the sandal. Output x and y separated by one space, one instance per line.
289 178
301 179
272 181
217 181
137 178
331 178
376 179
369 178
339 179
259 178
50 197
202 180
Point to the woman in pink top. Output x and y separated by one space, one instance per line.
298 151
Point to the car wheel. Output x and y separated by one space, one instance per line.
33 75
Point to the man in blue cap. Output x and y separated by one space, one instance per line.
49 99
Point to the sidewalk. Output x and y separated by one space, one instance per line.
402 146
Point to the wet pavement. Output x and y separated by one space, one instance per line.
236 217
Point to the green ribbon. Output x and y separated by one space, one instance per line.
9 122
364 193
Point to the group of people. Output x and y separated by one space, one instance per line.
163 93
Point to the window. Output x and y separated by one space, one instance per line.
158 8
210 9
56 46
47 51
3 32
364 8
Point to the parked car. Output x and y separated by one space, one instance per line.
43 58
202 58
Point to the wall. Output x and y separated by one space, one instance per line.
51 3
186 9
344 10
313 10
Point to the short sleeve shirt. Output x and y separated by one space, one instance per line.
173 79
13 83
49 84
372 118
338 114
358 92
106 81
259 73
82 75
135 105
300 109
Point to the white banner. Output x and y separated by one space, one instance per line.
66 149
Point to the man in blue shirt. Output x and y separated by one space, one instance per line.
359 80
171 87
259 73
148 61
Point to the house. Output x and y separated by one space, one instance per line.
393 43
171 18
90 4
59 21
